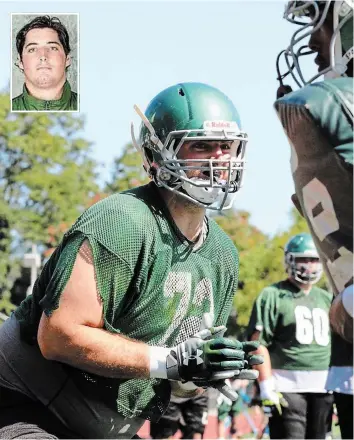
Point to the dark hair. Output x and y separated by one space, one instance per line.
44 21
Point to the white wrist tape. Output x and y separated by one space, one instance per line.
158 357
347 299
266 387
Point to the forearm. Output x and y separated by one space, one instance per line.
341 314
97 351
265 369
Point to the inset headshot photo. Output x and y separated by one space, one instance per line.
45 62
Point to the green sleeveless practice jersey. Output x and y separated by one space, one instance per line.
318 120
154 286
294 326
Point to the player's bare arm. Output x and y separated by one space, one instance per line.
265 369
341 314
74 333
270 398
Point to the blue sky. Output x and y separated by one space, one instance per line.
129 51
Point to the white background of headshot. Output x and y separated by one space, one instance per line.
71 22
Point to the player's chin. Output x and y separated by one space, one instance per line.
341 321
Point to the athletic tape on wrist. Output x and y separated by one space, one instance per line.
266 386
158 357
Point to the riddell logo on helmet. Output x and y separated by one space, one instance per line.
220 125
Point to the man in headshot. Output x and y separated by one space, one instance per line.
43 57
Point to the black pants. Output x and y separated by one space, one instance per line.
306 417
344 404
22 417
194 413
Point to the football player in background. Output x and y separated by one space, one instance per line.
290 319
318 120
134 300
189 415
228 410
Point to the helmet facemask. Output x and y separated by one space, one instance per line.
222 178
310 16
300 271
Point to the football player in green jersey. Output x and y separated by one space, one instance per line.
290 319
318 120
135 299
324 182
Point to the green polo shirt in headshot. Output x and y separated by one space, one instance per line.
68 101
25 101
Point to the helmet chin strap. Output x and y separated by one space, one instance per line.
202 194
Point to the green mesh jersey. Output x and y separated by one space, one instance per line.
293 326
154 287
318 120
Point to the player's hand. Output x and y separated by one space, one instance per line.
248 374
274 403
207 358
271 399
283 90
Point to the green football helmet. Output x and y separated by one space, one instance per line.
310 16
181 113
302 246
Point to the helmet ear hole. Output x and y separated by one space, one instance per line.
181 92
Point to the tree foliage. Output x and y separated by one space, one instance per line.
46 178
127 172
261 260
261 265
